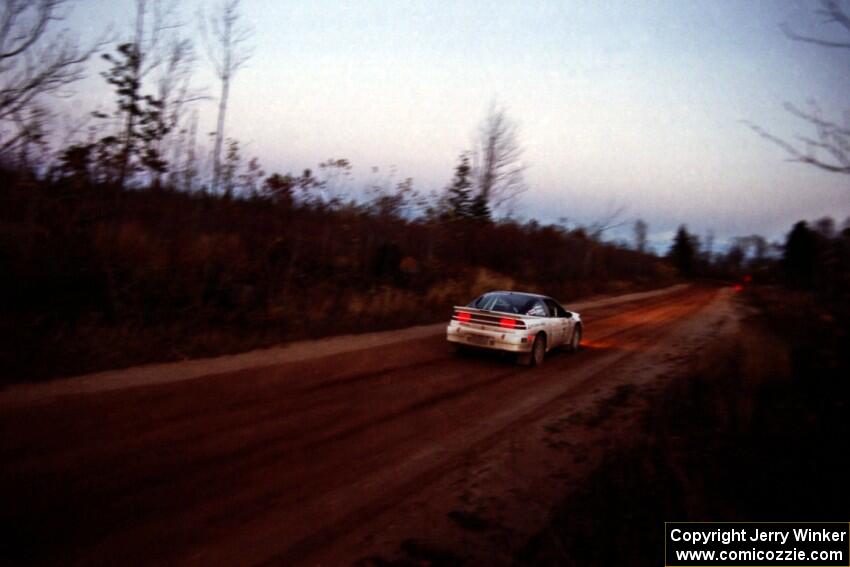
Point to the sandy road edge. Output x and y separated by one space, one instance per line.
159 373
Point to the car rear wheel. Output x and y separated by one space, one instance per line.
537 354
538 350
576 340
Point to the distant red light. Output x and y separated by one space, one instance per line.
738 287
507 323
464 317
748 278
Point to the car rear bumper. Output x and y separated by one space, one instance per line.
483 338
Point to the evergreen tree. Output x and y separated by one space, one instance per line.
798 259
683 252
480 209
459 193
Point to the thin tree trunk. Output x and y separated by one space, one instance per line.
219 132
125 153
190 169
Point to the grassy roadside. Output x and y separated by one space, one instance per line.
757 431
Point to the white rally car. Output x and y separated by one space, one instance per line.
524 323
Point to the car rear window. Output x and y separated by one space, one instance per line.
515 303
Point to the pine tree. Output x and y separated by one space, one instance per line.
479 210
798 259
459 193
683 252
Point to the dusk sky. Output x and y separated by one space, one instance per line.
638 105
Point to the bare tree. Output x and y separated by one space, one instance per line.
499 168
609 221
189 171
226 38
34 61
829 147
175 91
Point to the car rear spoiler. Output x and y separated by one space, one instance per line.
501 313
488 318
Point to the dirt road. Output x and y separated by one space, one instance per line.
350 453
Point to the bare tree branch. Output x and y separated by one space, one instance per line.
815 40
26 38
829 149
797 155
832 13
609 221
33 62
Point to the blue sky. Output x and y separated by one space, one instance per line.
633 105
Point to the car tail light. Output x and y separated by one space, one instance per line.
507 323
463 316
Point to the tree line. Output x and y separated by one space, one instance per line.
815 256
